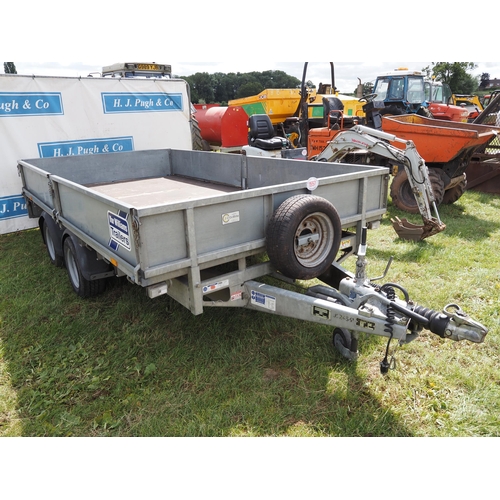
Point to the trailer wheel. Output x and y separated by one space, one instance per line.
303 236
54 257
453 194
82 286
403 197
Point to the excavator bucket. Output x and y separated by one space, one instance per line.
413 232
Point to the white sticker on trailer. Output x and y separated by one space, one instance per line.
263 300
118 231
345 244
215 286
230 217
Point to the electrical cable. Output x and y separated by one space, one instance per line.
391 295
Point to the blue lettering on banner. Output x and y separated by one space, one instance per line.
118 231
85 147
30 103
12 206
126 102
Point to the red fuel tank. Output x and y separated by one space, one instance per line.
224 126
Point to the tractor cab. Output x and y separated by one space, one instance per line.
396 93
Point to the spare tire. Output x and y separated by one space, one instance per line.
303 236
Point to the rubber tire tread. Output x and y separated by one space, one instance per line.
453 194
281 230
392 110
402 196
344 337
199 144
86 288
56 260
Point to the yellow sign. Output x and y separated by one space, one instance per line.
148 67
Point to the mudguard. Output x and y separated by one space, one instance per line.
91 266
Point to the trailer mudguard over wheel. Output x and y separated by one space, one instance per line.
76 258
303 236
403 197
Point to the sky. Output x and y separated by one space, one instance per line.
242 37
346 73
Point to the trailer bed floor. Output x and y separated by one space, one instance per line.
153 191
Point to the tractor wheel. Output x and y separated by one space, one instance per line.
392 110
199 144
453 194
303 236
403 197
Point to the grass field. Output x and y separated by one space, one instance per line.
126 365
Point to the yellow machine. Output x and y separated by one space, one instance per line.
281 104
470 102
286 108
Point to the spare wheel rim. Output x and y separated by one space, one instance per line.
313 239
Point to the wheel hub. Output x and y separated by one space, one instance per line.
312 239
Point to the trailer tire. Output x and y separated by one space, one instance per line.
453 194
403 197
83 287
294 220
50 245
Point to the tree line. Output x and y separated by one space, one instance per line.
221 87
207 88
9 68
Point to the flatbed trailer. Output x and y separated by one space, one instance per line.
203 227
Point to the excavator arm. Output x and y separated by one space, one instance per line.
378 142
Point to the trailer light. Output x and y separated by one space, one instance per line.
157 290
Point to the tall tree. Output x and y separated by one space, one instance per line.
485 78
9 67
456 75
202 87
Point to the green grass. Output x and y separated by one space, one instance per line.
126 365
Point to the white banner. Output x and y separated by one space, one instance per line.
56 116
